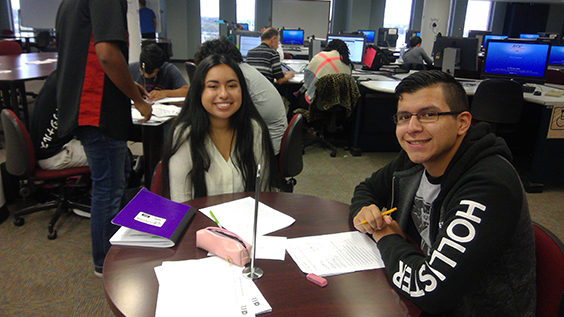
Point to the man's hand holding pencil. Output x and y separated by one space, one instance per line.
377 222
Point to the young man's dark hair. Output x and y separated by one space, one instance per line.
268 34
341 47
151 58
221 46
454 93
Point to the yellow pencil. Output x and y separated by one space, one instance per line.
387 212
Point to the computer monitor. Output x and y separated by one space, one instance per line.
369 35
387 37
411 33
528 36
246 40
554 37
492 37
292 37
479 34
355 43
525 62
245 26
556 57
314 47
468 48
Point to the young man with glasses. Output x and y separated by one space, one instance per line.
461 203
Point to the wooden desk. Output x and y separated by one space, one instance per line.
20 72
131 285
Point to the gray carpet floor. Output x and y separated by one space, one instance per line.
42 277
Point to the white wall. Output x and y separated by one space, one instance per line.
134 30
434 20
310 16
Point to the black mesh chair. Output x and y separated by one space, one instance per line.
190 69
498 102
335 97
290 160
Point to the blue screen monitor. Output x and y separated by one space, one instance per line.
245 26
492 37
528 36
525 62
355 43
556 57
292 37
369 35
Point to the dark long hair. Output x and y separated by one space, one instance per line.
341 47
193 116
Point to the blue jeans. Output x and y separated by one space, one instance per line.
109 163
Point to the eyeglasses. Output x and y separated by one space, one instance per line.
425 116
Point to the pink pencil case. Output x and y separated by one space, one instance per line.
225 244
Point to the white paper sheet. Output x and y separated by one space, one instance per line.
238 216
206 287
336 253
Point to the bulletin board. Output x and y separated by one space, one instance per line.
310 16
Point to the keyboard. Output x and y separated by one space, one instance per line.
529 89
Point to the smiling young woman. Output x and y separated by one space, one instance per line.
218 139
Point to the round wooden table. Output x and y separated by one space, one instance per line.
131 285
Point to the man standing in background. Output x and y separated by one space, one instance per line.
147 21
94 94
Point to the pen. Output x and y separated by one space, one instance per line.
215 219
387 212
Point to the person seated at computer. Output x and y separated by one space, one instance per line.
52 151
332 60
416 57
264 95
236 27
159 78
266 59
219 137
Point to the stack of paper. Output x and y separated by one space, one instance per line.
161 113
207 287
337 253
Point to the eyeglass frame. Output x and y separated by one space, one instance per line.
395 116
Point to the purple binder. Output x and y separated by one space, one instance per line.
156 215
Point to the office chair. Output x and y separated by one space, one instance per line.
190 69
291 151
549 252
335 97
498 102
20 162
157 183
10 48
554 76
